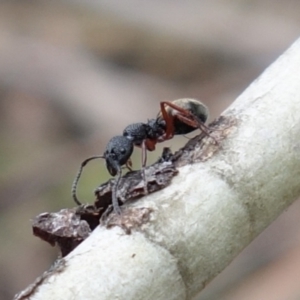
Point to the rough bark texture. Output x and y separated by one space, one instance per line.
210 212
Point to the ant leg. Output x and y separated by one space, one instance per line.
75 182
150 144
105 214
144 154
129 164
169 120
147 145
115 202
144 161
194 122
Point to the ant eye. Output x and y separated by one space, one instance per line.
122 150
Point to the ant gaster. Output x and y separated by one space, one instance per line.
183 116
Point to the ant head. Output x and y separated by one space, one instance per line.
117 153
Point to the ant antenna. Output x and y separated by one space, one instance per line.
115 202
75 182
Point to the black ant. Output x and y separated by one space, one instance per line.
180 116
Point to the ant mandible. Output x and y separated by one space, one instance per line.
178 117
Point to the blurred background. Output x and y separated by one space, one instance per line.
75 73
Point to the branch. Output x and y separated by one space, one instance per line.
211 211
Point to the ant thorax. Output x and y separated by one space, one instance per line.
156 128
136 132
139 132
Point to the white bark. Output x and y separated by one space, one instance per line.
209 213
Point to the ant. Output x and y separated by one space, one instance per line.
178 117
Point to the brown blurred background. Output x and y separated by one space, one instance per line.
75 73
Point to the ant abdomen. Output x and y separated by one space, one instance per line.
184 114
